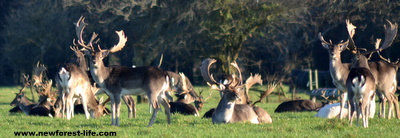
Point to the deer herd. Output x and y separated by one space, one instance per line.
85 76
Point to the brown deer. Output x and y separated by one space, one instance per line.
43 108
117 81
382 71
73 83
81 62
299 106
361 82
184 90
227 110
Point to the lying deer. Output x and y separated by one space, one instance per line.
361 82
299 106
227 110
117 81
29 108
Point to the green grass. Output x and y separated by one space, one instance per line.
284 124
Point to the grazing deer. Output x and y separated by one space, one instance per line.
183 108
184 90
227 110
117 81
361 82
73 83
382 71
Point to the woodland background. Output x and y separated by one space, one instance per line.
270 37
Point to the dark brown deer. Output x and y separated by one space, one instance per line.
361 82
227 110
117 81
299 106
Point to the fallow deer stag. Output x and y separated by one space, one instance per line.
382 71
184 90
227 110
117 81
361 82
43 108
81 62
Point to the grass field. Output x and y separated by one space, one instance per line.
284 124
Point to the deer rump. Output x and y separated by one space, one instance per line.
298 106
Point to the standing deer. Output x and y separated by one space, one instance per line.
361 82
382 71
117 81
81 62
227 110
73 83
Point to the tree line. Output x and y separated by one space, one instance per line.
270 37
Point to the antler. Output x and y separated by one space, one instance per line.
80 26
253 80
184 85
121 42
390 34
26 82
234 64
38 74
205 72
351 30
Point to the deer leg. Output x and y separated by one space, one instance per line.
390 104
343 98
85 108
69 105
382 101
155 107
63 106
113 109
115 106
371 108
352 108
396 105
165 104
130 104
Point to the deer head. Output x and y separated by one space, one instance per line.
360 58
235 90
102 53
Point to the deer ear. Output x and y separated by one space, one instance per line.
104 54
343 46
325 46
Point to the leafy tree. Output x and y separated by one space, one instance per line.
230 23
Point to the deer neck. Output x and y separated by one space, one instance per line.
224 111
93 106
25 105
337 69
99 73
